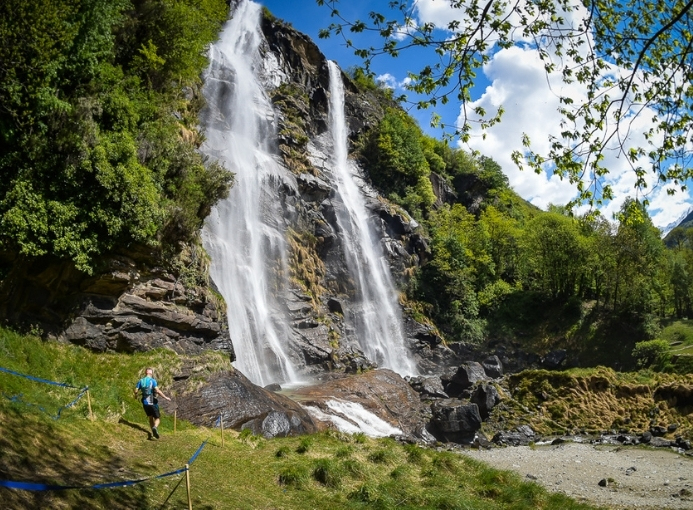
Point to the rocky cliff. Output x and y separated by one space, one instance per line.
322 289
138 299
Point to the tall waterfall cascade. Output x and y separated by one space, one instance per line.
244 235
377 318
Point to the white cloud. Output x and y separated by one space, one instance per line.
518 82
387 80
438 12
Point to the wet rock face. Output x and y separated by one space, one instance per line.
382 392
241 404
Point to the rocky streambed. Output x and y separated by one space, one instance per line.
614 476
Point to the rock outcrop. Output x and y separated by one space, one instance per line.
382 392
240 403
130 304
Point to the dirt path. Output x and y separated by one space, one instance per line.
576 470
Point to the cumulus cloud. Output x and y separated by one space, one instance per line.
387 80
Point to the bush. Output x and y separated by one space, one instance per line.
294 476
652 354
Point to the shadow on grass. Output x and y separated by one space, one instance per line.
35 450
135 426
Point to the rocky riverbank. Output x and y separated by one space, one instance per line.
614 476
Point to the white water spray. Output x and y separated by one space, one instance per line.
378 318
244 235
351 417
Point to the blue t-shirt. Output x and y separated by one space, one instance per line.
147 385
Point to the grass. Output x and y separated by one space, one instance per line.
334 470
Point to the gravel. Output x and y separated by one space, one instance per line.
631 477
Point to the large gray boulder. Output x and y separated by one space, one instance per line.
493 367
455 421
240 403
486 396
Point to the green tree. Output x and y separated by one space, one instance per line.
92 151
557 252
650 42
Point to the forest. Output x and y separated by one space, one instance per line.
499 265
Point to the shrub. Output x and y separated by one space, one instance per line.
294 475
652 354
382 456
304 445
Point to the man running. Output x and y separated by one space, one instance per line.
149 388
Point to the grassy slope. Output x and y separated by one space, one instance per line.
334 470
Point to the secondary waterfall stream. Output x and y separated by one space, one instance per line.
244 235
377 315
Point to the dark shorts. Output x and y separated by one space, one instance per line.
151 410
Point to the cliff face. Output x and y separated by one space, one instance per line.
131 303
134 303
322 291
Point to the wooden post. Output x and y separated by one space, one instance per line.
91 415
221 422
187 485
175 418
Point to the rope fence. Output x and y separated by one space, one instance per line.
18 398
42 487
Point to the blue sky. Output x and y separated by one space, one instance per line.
514 78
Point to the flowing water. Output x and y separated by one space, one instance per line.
378 319
352 417
244 235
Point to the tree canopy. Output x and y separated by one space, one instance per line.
632 61
98 108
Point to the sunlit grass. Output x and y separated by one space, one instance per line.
325 470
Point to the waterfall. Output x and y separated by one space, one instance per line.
244 234
378 319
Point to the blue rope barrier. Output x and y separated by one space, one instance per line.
192 459
17 398
42 487
38 379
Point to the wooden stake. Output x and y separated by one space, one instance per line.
221 421
187 485
91 415
175 418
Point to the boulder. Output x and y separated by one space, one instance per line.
274 424
239 402
521 436
555 359
493 367
486 397
428 387
464 377
381 392
455 421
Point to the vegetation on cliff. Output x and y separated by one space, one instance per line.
97 125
